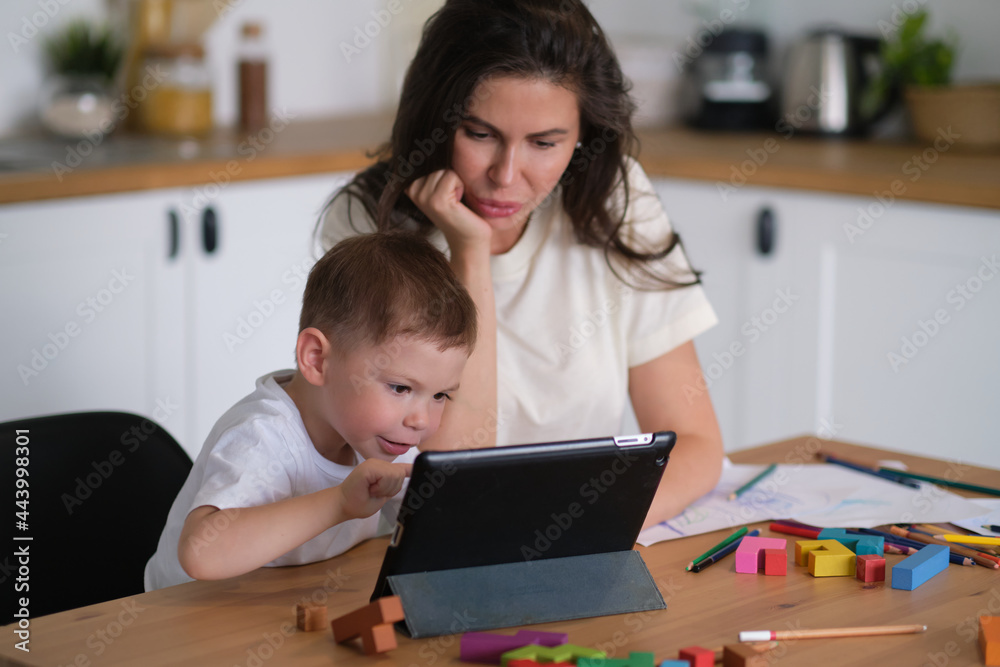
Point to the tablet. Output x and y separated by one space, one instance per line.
526 502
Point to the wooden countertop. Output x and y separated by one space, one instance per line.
912 171
250 619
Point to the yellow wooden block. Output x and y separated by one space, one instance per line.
803 547
832 559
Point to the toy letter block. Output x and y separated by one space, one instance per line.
859 544
825 558
750 553
775 561
488 647
310 617
633 660
915 570
373 623
989 639
548 654
696 656
743 655
870 568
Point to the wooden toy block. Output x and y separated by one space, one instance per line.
859 544
775 561
915 570
870 568
633 660
825 558
549 654
743 655
675 663
696 656
373 623
310 617
488 647
532 663
989 639
750 553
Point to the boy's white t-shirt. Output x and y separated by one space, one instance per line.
259 452
568 329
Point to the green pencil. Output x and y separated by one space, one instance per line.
746 487
944 482
732 538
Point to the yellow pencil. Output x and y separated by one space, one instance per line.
968 539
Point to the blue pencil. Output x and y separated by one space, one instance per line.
871 471
721 553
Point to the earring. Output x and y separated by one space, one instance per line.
579 144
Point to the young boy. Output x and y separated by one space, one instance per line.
297 471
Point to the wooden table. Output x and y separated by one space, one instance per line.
250 620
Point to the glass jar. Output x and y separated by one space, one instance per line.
180 103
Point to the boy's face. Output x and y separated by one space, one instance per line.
385 399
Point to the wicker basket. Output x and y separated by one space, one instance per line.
972 111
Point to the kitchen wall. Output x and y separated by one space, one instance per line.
323 62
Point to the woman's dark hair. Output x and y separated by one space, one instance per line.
469 41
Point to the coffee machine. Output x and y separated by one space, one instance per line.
725 86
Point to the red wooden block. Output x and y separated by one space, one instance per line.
697 656
373 623
310 617
870 568
775 561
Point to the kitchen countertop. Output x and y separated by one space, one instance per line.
42 168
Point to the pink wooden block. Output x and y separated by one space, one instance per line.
775 561
870 568
750 554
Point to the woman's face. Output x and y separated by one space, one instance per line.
512 149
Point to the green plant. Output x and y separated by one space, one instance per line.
914 60
83 48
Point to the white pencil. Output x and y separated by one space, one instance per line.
771 635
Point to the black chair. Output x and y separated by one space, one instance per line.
100 485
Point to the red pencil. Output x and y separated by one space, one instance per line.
788 529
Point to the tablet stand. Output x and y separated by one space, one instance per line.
525 593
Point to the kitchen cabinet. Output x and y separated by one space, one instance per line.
872 319
168 303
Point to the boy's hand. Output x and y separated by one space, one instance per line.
370 485
439 196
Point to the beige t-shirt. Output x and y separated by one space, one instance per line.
568 329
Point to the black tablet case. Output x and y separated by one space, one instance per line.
526 534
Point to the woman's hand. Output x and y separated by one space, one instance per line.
439 197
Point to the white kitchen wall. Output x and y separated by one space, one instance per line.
311 76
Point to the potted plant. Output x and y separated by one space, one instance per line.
967 114
78 94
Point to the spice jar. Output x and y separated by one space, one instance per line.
252 77
181 103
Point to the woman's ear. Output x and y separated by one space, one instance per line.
311 352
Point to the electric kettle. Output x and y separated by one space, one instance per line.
825 79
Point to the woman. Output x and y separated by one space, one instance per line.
511 151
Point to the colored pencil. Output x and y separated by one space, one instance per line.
749 485
762 647
943 482
992 529
766 635
968 539
788 529
721 553
984 550
912 546
732 538
981 559
871 471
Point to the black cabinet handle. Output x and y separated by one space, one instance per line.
766 231
174 232
209 230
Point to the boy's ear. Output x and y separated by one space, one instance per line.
311 352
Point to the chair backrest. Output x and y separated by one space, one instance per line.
100 485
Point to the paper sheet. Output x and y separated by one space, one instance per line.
989 517
821 495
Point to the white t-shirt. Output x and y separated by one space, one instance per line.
259 452
568 329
